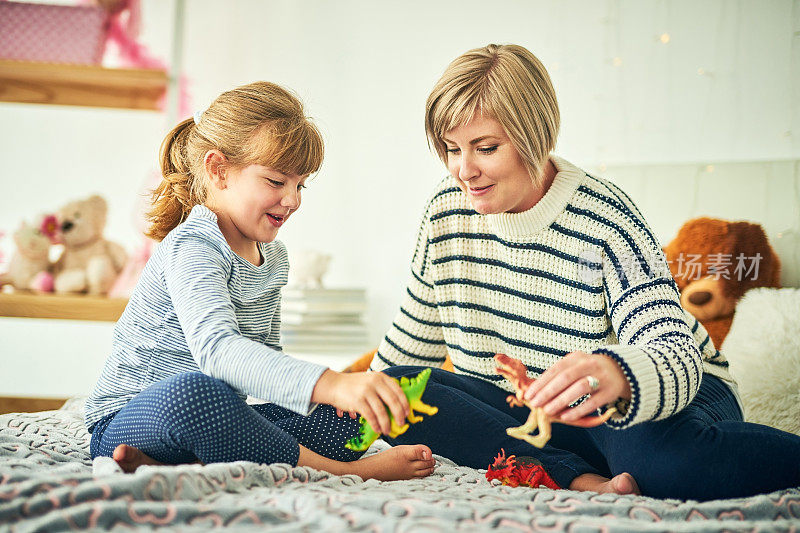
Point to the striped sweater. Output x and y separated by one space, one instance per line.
580 270
200 307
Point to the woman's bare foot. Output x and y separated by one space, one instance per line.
399 462
621 484
130 458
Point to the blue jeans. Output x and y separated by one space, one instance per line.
703 452
192 416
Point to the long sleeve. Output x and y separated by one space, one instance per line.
415 337
580 270
274 337
196 276
656 347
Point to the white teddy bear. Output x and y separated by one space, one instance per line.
307 267
29 267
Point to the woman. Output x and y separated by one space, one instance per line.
521 252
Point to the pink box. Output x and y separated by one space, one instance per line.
52 33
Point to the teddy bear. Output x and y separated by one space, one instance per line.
308 267
714 262
89 262
30 267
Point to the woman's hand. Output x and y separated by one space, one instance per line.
569 379
368 393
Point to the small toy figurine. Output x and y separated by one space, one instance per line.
90 263
519 472
413 389
517 373
30 267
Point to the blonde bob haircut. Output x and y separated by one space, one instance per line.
260 123
506 82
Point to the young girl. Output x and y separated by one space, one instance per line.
201 330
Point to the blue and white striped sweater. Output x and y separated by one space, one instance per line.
200 307
581 270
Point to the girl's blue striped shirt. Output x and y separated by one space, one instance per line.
198 306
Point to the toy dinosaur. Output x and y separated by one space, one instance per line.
413 389
522 471
517 373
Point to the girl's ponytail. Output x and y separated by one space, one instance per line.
174 197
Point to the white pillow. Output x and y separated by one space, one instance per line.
763 349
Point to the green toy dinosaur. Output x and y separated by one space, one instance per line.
413 389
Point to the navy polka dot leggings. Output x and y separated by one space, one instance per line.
192 416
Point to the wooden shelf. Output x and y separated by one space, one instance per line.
31 305
18 404
81 85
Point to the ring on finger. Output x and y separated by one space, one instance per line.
594 383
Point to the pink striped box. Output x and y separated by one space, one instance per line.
52 33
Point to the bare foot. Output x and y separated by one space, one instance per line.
624 484
621 484
398 462
130 458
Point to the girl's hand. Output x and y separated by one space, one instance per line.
340 413
569 379
368 393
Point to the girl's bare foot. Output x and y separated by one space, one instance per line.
621 484
130 458
399 462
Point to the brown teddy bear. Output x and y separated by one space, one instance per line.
89 262
714 262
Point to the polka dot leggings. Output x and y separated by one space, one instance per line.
193 416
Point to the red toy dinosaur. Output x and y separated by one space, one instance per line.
519 472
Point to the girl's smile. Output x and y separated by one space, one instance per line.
277 220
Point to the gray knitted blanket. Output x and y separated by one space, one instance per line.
47 484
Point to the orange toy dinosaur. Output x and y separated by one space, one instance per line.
517 373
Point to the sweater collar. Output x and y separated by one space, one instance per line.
515 225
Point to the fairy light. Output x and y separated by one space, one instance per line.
789 238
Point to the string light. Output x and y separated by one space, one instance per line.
788 240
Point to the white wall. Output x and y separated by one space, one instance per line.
724 90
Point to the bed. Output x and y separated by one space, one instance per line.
47 483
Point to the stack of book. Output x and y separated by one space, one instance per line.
323 320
